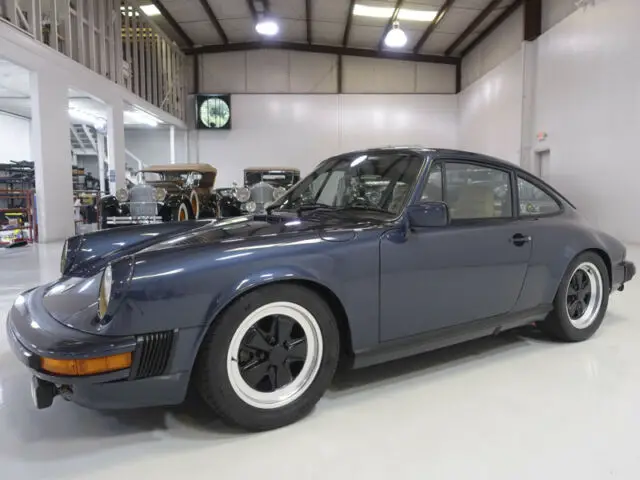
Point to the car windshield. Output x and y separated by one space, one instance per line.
273 177
179 177
378 182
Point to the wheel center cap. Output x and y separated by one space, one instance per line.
278 355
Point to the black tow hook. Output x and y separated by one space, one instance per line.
621 288
42 392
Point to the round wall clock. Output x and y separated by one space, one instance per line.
215 112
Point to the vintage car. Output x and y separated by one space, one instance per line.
164 193
262 185
256 312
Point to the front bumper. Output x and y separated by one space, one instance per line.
33 334
622 273
133 220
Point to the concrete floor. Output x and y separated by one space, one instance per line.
511 407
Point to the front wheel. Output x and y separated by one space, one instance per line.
581 300
180 213
269 357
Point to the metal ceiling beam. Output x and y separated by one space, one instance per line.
327 49
491 28
389 25
172 22
309 15
347 28
434 24
214 20
532 20
473 25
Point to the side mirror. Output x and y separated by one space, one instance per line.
428 214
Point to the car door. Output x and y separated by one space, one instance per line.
474 268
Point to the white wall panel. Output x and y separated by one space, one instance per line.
302 130
588 101
278 71
14 138
490 112
496 48
554 11
152 146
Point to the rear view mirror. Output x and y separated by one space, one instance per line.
428 214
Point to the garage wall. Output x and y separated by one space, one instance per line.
153 146
588 102
15 138
302 130
501 45
278 71
490 111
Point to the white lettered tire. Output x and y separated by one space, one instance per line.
195 204
269 357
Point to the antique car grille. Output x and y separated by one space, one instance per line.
261 193
142 201
153 353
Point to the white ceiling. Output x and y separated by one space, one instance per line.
329 19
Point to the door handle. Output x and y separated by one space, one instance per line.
519 240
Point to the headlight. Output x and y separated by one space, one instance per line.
63 257
160 194
243 194
250 206
122 195
105 292
278 192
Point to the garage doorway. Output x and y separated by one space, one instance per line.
542 164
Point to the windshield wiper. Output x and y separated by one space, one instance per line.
305 207
369 208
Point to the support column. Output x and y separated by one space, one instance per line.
115 146
529 73
172 143
51 154
101 159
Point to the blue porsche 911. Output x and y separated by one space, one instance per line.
375 255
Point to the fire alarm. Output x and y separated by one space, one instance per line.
542 136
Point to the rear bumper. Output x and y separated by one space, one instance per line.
622 273
32 334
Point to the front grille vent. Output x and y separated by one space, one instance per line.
153 353
142 201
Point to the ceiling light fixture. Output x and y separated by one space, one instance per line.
267 26
395 38
150 10
387 12
87 118
140 117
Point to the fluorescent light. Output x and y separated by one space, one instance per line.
140 117
150 10
396 38
267 27
87 118
386 12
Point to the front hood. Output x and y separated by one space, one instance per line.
244 228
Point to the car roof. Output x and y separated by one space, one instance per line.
181 167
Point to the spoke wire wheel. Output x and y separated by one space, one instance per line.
271 358
183 213
585 293
195 204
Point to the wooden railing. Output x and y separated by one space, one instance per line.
111 37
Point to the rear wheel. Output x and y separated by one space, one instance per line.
269 357
581 300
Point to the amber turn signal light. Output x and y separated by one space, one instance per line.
87 366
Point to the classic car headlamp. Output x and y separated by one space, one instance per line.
122 195
278 192
63 257
104 296
243 194
250 206
160 194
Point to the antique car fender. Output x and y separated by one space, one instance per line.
194 202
